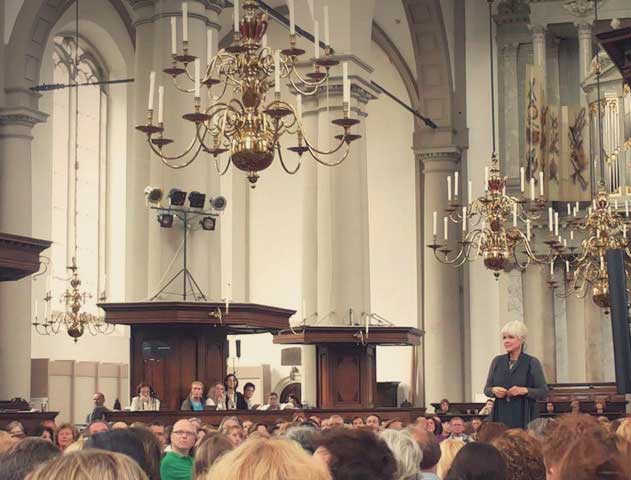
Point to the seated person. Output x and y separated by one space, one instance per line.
549 407
234 399
575 406
272 403
146 399
487 409
195 401
445 407
217 397
248 393
98 413
292 401
600 405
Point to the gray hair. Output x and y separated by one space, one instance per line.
539 427
406 451
304 435
516 328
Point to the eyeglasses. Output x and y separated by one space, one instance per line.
184 433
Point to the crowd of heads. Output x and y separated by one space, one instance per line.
576 447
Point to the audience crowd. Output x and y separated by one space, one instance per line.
569 447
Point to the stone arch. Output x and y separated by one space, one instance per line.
30 34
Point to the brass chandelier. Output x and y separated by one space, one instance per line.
485 223
240 120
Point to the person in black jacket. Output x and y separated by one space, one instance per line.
516 380
234 399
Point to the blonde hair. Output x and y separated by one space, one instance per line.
6 441
624 430
88 465
75 446
515 328
261 459
448 450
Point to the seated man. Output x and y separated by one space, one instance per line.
248 393
195 401
272 403
98 412
373 422
456 425
178 463
98 426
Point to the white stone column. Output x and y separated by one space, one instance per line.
539 318
553 93
510 112
442 315
575 311
585 54
539 56
16 124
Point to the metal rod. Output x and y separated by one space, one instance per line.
44 87
428 121
185 266
492 72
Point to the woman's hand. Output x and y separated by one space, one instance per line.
517 391
499 392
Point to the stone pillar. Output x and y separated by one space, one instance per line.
16 124
539 56
575 312
594 358
585 54
553 93
539 318
510 112
443 338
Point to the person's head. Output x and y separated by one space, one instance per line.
25 456
522 454
447 428
197 390
478 461
183 437
260 428
406 451
489 403
98 426
489 431
336 421
355 454
272 399
99 399
373 422
539 427
549 407
429 446
600 405
475 424
89 465
230 382
152 450
66 434
293 399
144 390
394 424
158 431
448 450
235 435
16 429
210 450
248 390
119 426
444 405
457 426
304 435
262 459
434 425
6 441
44 432
575 406
358 422
514 336
247 425
228 422
120 441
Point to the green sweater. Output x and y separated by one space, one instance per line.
176 467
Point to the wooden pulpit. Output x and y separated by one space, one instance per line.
617 44
174 343
346 360
19 256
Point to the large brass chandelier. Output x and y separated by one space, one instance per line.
497 227
240 119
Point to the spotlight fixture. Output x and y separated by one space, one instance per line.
153 195
196 199
177 197
165 220
218 203
208 223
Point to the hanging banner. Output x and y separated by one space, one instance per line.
574 175
535 109
551 146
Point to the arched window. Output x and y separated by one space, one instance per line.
90 167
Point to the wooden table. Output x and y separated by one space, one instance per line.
30 420
213 417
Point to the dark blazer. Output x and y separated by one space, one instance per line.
241 403
516 412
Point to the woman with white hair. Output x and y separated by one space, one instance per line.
516 380
406 451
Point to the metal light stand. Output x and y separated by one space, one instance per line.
184 215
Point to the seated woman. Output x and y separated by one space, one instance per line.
234 399
217 397
145 400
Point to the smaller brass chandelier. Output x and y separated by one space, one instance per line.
246 125
72 320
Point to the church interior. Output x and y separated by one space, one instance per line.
354 206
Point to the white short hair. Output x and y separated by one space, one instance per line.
516 328
407 452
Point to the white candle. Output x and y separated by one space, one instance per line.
292 17
626 208
522 179
565 242
435 224
185 21
446 228
470 192
552 269
197 77
456 181
209 44
514 214
464 219
345 90
173 36
316 34
277 71
569 210
578 207
486 178
550 219
327 32
528 229
449 188
532 189
556 223
598 233
567 266
602 263
594 203
160 109
571 235
299 106
235 13
541 184
152 86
